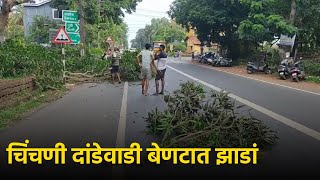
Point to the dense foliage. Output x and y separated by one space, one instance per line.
129 69
239 24
18 59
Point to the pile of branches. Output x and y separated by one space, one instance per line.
84 77
194 119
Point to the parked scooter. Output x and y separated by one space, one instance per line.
258 67
284 69
297 71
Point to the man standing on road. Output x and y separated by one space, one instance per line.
144 59
116 57
192 56
161 66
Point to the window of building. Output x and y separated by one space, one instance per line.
56 14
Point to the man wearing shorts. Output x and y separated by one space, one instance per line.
144 59
161 66
116 57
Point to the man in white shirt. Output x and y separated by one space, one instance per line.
161 66
144 59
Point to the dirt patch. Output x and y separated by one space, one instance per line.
241 71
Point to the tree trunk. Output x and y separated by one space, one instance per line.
292 21
4 15
82 28
3 23
293 11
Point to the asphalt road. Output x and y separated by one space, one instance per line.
100 113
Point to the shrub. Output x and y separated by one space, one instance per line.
312 68
315 79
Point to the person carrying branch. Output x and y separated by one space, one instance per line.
116 58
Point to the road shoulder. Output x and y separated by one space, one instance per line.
305 86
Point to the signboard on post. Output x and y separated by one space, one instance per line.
70 16
75 38
72 25
287 41
62 37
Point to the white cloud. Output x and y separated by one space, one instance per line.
146 10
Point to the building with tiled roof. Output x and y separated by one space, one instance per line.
193 43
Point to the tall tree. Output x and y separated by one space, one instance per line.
215 20
264 23
15 28
5 9
113 9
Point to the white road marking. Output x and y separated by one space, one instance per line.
284 120
297 89
118 171
121 134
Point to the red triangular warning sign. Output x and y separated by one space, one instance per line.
62 37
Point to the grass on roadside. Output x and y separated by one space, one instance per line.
315 79
17 111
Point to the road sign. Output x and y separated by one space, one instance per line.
109 40
72 27
70 16
287 41
62 37
75 38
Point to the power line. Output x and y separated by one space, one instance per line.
151 10
149 16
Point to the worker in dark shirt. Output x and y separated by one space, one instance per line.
161 63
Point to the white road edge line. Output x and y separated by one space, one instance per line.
297 89
121 133
284 120
118 171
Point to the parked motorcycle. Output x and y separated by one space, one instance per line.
284 69
297 71
198 57
258 67
207 58
222 62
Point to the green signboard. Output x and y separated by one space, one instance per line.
75 38
70 16
72 27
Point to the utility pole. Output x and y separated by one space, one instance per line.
82 29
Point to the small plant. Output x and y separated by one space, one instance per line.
193 119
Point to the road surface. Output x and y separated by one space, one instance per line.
113 116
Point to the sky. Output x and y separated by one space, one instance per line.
146 10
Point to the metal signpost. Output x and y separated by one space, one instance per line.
62 38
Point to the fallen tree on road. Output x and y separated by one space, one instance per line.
193 119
